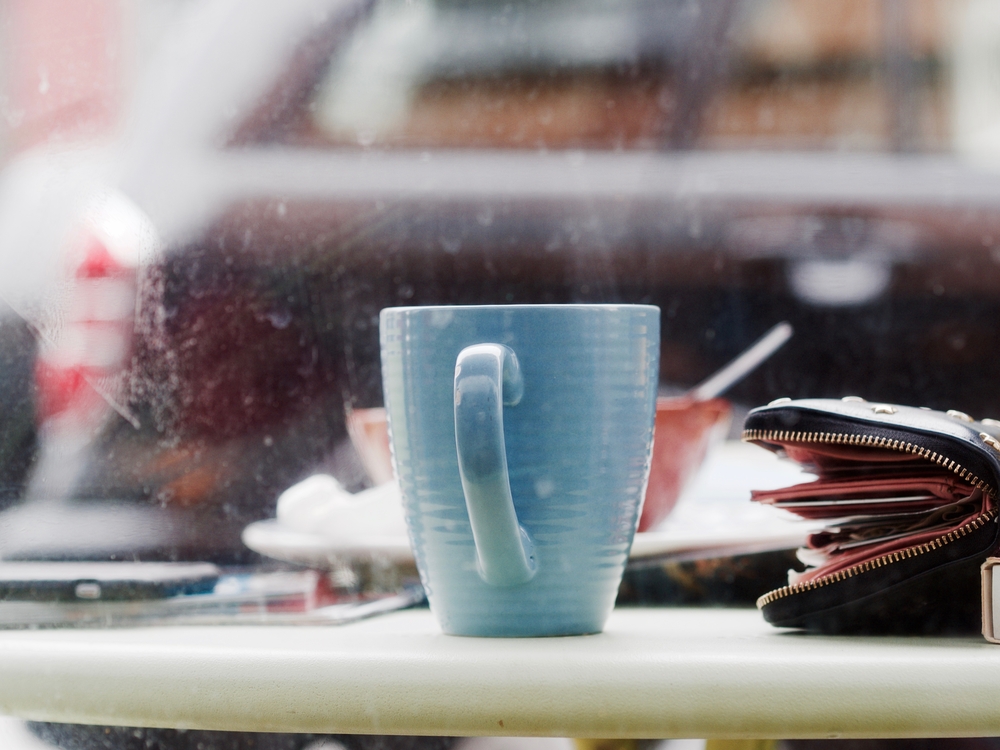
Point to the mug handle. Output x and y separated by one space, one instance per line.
487 378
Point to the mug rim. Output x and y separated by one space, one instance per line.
543 306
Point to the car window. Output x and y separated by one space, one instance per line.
767 74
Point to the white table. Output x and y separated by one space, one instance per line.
653 673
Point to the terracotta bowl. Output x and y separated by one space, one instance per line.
369 432
684 430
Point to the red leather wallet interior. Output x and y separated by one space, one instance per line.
873 502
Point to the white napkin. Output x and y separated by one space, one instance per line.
320 505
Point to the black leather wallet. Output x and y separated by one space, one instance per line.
907 499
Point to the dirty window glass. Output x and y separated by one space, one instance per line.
203 210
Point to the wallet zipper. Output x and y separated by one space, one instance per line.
872 441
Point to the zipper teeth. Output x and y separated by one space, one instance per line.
867 441
871 441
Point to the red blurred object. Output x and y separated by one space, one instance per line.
95 342
98 263
684 430
61 387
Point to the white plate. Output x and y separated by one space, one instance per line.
714 518
270 538
273 539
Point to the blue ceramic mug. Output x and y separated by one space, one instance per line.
521 437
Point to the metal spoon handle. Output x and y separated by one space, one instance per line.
743 365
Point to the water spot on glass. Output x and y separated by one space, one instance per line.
545 488
280 318
441 318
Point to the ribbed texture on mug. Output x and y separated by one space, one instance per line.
578 448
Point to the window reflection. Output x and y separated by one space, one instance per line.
204 206
192 294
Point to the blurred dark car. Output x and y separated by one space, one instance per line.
309 164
